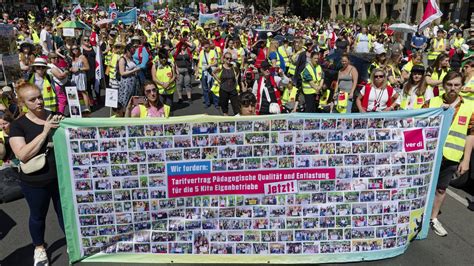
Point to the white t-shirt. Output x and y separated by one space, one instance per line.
377 97
45 36
362 45
58 81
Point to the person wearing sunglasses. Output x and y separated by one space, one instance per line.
227 77
148 106
377 96
414 93
42 80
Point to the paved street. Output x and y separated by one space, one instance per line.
455 249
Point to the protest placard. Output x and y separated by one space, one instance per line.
73 101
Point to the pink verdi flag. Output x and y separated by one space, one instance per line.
432 12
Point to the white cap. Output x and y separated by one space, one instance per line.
379 49
465 48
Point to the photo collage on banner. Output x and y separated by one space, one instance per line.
280 186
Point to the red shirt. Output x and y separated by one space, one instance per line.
220 42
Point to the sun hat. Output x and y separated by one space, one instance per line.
40 62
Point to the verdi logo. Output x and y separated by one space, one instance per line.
413 140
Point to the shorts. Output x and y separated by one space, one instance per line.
447 170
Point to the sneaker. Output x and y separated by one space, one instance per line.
41 258
438 227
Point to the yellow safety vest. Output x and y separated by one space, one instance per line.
164 75
35 36
341 105
152 38
454 146
368 39
212 58
144 111
322 41
240 55
289 95
215 88
282 51
324 100
216 85
468 96
196 51
420 100
373 66
292 66
438 47
316 75
48 93
107 57
438 76
458 42
5 101
409 66
112 63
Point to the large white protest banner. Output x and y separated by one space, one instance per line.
322 188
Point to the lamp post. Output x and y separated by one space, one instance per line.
353 9
321 9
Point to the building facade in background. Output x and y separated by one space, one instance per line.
397 10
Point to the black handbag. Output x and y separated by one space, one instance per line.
10 189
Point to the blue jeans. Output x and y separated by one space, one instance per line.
206 86
215 100
38 199
141 78
349 106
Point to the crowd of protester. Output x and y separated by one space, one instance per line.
245 65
